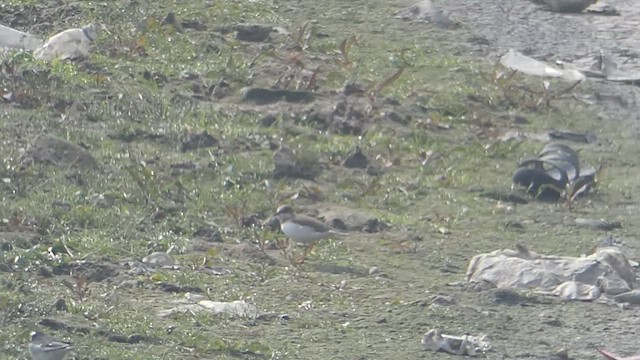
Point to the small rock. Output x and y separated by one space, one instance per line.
343 126
129 284
352 88
187 165
6 246
286 165
442 300
159 258
48 149
101 200
375 170
252 32
196 25
264 96
603 9
631 297
337 223
173 288
374 225
552 322
599 224
91 271
519 119
209 233
170 20
580 137
124 339
198 141
250 221
374 270
159 78
60 304
260 96
53 324
221 89
356 159
508 297
396 117
267 121
45 271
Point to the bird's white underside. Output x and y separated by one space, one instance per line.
304 234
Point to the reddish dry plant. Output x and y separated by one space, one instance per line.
345 47
375 90
80 289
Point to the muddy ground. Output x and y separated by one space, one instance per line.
168 154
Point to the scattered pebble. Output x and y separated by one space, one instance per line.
60 304
252 32
356 159
159 258
51 150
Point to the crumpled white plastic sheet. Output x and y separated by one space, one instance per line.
607 271
68 44
515 60
455 345
195 303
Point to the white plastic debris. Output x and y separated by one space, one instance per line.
195 303
526 65
573 290
607 271
15 39
69 44
456 345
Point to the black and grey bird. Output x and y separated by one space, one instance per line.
304 229
45 347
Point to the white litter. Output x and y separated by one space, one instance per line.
456 345
605 272
517 61
195 303
69 44
15 39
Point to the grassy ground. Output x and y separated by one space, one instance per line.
147 87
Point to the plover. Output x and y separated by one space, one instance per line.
45 347
303 229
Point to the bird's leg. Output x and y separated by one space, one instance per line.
306 252
284 246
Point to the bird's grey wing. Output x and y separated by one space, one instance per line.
313 223
55 346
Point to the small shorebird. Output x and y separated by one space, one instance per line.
303 229
45 347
